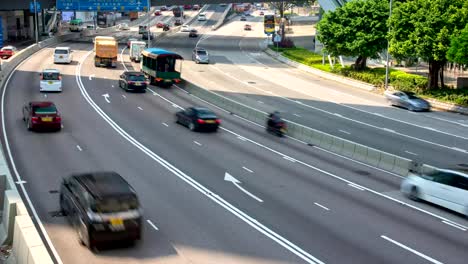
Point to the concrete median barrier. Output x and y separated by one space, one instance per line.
387 162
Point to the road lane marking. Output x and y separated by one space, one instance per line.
91 77
122 60
339 115
198 143
260 102
247 169
165 124
123 95
297 115
290 159
229 178
459 149
106 96
343 131
411 153
21 182
140 108
454 225
291 247
412 250
79 148
388 130
323 207
152 225
356 186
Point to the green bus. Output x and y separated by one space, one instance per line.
162 67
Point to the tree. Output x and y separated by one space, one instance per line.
357 29
424 28
281 7
458 51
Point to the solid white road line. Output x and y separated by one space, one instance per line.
140 108
346 132
291 247
412 250
152 225
198 143
122 60
79 148
297 115
323 207
356 186
289 158
247 169
242 138
388 130
165 124
454 225
459 149
20 182
18 176
411 153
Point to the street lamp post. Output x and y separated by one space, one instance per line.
148 26
36 22
388 47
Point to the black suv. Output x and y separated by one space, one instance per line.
102 207
133 81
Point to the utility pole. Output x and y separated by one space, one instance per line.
388 47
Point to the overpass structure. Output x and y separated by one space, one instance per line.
24 4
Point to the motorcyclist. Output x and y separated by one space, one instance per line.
165 27
275 123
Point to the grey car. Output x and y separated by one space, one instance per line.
200 55
407 100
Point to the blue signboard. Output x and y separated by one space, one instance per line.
1 32
31 7
103 5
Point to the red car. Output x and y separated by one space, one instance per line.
157 13
160 24
42 115
187 7
7 52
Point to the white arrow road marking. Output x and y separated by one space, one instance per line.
79 148
91 76
228 177
106 96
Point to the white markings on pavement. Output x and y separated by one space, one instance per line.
260 102
454 225
91 76
389 130
79 148
228 177
247 169
459 149
297 115
343 131
430 128
122 60
152 225
154 93
411 250
112 86
377 114
21 182
299 102
356 186
242 138
123 95
106 96
140 108
166 125
289 158
175 106
411 153
323 207
336 114
198 143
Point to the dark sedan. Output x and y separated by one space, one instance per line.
133 81
42 115
198 118
407 100
193 33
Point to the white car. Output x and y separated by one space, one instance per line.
202 17
124 26
63 55
185 28
51 80
446 188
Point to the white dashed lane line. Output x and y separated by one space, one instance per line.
79 148
140 108
346 132
321 206
411 153
198 143
411 250
247 169
166 125
152 225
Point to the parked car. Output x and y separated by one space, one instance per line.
198 118
102 207
42 115
193 33
407 100
63 55
247 27
200 55
133 81
51 80
444 187
7 51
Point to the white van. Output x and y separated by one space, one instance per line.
136 47
51 81
63 55
202 17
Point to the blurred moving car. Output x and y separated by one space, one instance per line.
243 18
123 26
7 51
247 27
193 33
51 80
198 118
63 55
157 12
201 17
163 8
446 188
129 41
102 207
407 100
177 22
185 28
200 55
196 7
133 81
160 24
42 116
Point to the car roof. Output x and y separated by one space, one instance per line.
201 49
103 184
133 73
42 103
64 48
199 108
51 70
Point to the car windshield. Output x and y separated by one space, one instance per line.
61 51
201 52
412 96
136 78
45 110
115 204
50 76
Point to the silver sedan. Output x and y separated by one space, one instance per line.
407 100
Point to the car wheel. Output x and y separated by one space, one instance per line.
197 62
191 126
414 194
177 119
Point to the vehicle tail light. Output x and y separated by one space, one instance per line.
58 119
218 121
34 119
130 82
177 80
60 77
201 121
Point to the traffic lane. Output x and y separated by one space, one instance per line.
210 144
108 151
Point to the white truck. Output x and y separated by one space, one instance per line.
136 47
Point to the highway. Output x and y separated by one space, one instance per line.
236 196
241 71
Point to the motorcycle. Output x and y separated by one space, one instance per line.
278 128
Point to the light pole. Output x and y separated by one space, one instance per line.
388 47
36 21
148 25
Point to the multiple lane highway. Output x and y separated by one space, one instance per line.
239 195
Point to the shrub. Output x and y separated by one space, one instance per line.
286 43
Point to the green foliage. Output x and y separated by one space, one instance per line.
408 82
458 51
356 29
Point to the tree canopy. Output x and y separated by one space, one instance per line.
458 51
357 29
424 28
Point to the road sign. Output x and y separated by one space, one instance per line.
1 32
277 38
103 5
31 7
